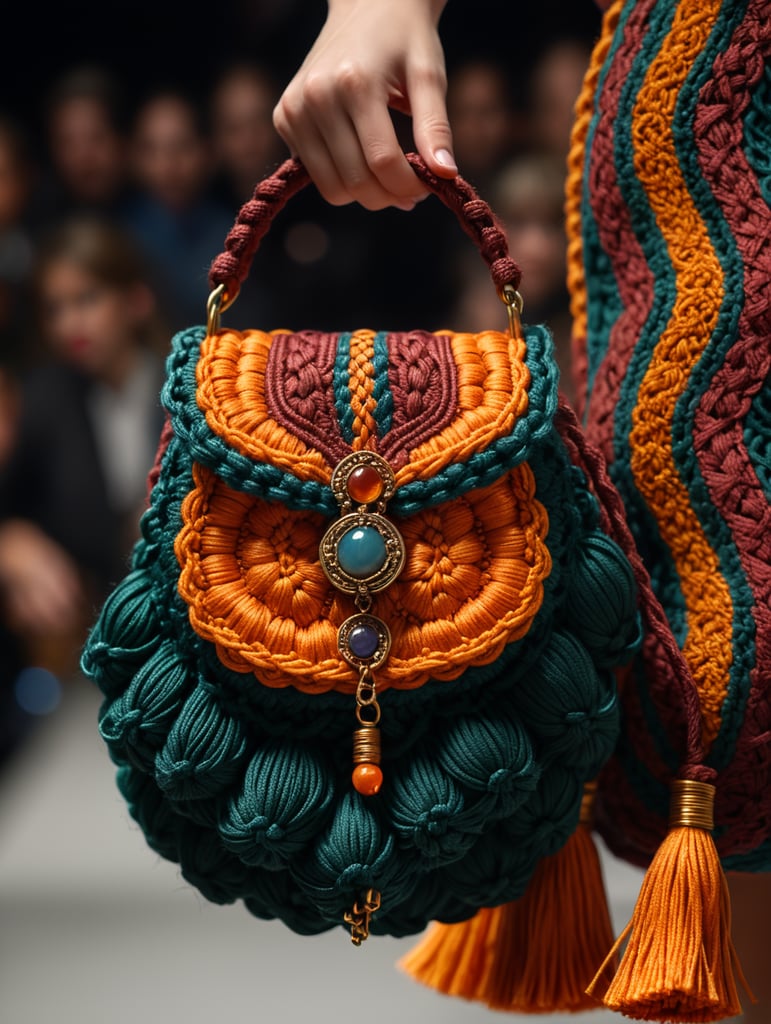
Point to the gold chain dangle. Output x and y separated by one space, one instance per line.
362 553
359 917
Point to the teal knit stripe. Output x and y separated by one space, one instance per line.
757 435
384 399
341 379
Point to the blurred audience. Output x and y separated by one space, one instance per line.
528 197
73 485
553 90
16 177
486 128
87 145
246 145
177 222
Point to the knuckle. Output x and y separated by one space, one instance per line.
429 76
351 79
383 161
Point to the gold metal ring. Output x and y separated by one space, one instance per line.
219 300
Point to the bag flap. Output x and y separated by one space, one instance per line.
273 413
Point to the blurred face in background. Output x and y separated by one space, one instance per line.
170 157
88 323
14 181
529 200
554 88
87 152
481 118
245 141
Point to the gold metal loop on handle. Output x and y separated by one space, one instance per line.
514 303
219 300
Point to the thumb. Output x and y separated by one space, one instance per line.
430 124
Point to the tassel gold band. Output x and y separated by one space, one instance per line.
586 816
692 805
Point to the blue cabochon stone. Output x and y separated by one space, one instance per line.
361 552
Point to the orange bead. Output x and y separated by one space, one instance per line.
364 485
367 779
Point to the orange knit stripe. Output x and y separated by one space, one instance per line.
584 111
251 576
231 393
362 386
699 286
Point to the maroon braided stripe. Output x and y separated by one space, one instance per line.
231 267
744 795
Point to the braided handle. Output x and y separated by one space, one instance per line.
231 267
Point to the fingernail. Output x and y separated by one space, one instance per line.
446 159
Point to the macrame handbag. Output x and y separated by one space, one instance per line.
670 275
395 537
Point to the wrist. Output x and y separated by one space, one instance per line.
432 8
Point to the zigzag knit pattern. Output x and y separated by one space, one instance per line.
670 250
228 708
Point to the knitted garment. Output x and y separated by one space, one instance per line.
670 275
228 707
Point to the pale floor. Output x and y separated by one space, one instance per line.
95 929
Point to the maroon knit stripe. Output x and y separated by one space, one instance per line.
423 380
299 391
719 420
165 440
633 275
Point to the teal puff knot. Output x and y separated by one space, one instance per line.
283 803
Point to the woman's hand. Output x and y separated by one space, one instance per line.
370 55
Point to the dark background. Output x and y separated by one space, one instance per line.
187 45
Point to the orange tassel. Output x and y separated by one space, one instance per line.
680 961
535 955
455 958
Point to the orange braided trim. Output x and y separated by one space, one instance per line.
362 386
492 395
700 293
473 582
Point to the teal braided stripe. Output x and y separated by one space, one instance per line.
384 399
716 530
757 436
757 126
341 379
603 301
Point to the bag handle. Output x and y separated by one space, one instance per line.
231 268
